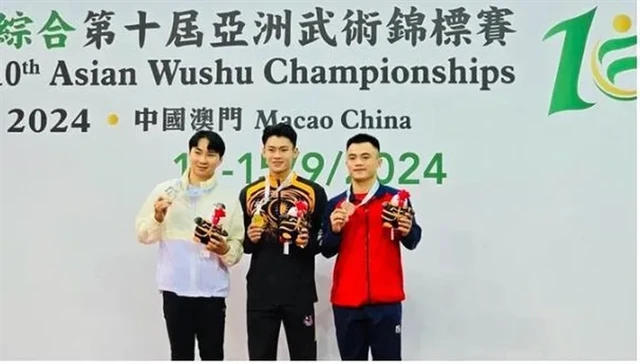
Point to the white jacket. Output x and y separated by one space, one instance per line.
184 266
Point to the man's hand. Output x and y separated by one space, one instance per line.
405 221
338 219
290 229
254 233
160 206
391 214
201 233
303 237
218 244
208 235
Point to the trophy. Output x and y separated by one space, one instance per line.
205 228
391 211
292 223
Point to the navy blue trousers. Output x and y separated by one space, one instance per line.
375 327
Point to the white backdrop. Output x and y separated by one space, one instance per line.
528 248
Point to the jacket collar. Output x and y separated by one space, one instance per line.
382 189
205 185
274 182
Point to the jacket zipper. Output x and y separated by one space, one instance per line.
193 266
278 198
366 219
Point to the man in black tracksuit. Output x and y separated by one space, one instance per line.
282 239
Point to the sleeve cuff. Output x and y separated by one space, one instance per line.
332 237
231 256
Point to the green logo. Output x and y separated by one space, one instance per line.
565 95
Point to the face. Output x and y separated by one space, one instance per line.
279 153
363 161
203 161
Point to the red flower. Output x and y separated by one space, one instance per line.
218 213
302 207
403 195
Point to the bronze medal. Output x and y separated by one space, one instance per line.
349 208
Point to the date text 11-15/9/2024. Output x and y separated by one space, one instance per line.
407 168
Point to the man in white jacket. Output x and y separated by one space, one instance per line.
199 228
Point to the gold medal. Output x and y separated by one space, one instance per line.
258 220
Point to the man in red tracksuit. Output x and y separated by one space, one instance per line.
364 226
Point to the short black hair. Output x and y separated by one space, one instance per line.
280 130
364 138
216 144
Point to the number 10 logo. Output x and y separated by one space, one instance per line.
565 95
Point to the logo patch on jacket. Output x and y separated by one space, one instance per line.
308 320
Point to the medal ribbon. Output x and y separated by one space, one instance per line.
370 194
267 190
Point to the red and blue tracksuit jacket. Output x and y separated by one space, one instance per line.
368 268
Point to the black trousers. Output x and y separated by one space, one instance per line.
375 327
188 318
263 329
